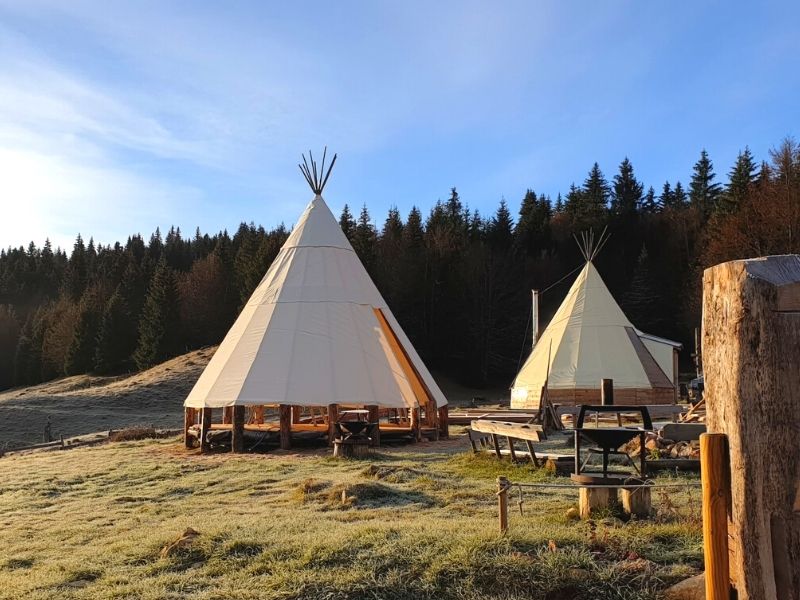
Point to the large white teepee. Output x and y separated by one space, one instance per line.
315 332
589 339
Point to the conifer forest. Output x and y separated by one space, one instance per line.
458 281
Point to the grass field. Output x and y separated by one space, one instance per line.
410 522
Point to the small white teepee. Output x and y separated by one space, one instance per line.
316 332
590 339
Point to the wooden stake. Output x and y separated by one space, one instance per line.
237 430
285 411
189 418
502 502
714 478
206 414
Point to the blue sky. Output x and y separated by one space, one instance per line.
119 117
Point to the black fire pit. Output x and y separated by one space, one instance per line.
606 441
353 433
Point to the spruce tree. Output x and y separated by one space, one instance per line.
9 339
740 179
501 228
116 338
81 350
667 197
159 327
77 275
704 193
365 239
347 223
627 191
681 199
649 202
642 302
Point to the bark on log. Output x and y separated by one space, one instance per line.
751 358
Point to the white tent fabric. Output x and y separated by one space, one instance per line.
588 339
308 336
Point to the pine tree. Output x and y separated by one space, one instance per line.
159 327
393 226
627 192
81 350
77 275
559 208
532 232
642 303
596 192
413 232
740 179
347 223
704 194
116 338
454 209
9 339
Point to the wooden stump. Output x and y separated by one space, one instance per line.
351 448
751 358
285 414
595 498
237 430
636 501
205 425
189 418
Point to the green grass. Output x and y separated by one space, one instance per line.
408 523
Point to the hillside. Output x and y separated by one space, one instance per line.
88 403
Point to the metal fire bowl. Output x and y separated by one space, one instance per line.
609 438
354 427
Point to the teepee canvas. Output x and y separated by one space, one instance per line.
589 339
316 332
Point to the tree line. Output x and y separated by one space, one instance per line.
458 282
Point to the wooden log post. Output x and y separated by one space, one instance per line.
333 417
416 429
227 415
751 364
237 429
206 414
189 419
502 503
714 478
636 501
258 415
444 422
297 414
285 416
374 417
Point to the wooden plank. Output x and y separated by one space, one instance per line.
515 430
714 458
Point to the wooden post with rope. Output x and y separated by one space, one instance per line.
502 502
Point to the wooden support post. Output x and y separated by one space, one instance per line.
714 478
496 443
374 417
189 418
751 362
502 502
237 429
206 414
333 417
607 397
532 453
510 442
258 415
636 501
297 413
444 422
285 415
227 415
416 431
